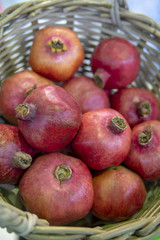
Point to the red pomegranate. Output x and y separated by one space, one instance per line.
136 105
49 118
15 154
56 53
119 58
103 139
86 93
57 188
144 154
119 193
15 89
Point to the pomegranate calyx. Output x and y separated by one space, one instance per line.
30 90
145 136
63 173
144 109
118 124
57 46
21 160
25 111
101 77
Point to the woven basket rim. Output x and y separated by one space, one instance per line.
9 10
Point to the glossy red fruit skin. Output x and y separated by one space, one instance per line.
119 193
56 121
97 144
56 66
63 203
118 57
11 141
145 159
86 93
14 89
126 101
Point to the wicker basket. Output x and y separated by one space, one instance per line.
93 21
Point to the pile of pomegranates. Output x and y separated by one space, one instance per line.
76 144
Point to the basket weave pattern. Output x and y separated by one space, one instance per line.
93 21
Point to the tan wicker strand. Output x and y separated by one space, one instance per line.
150 227
93 21
132 226
55 237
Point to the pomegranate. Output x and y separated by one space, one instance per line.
15 154
118 59
49 118
86 93
103 139
57 188
14 90
119 193
56 53
136 105
144 154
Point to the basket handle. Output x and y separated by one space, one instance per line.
117 6
122 4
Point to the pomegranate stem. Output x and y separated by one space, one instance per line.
101 77
118 124
57 46
30 90
25 111
145 136
63 173
144 109
21 160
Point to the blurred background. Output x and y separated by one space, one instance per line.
146 7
